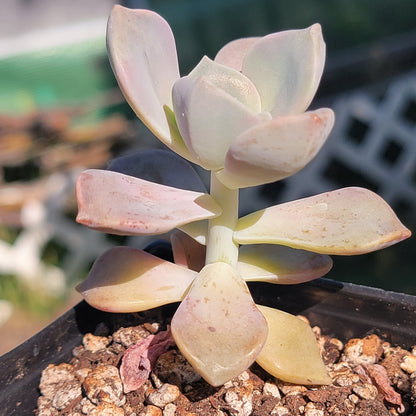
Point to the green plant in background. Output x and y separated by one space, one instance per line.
243 117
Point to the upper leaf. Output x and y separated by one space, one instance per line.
347 221
209 119
275 149
121 204
143 56
232 54
286 68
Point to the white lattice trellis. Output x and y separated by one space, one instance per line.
373 144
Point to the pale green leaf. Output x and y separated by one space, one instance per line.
280 264
291 352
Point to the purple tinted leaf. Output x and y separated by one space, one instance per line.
139 359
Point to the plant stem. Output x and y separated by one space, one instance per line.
220 243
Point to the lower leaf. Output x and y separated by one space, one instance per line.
217 327
291 352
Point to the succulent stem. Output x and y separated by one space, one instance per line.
220 243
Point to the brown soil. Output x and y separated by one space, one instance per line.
369 377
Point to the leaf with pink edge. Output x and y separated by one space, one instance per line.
142 52
209 119
125 279
344 222
187 251
121 204
217 326
280 264
286 68
275 149
232 54
291 352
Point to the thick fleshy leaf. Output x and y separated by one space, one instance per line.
209 119
230 81
143 56
121 204
217 326
197 230
286 68
280 264
125 279
276 149
291 352
233 53
187 251
345 222
160 166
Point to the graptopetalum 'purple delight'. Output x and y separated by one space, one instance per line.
243 116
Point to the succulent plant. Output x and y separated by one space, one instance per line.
243 117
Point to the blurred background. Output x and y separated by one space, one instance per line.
61 112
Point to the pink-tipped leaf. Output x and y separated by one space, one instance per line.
286 68
120 204
233 53
209 119
275 149
344 222
143 56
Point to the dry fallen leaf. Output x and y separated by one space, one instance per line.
140 358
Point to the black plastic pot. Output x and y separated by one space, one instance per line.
341 310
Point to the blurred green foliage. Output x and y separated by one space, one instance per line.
27 298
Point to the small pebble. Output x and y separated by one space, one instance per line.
54 376
67 393
167 393
279 410
151 410
44 407
169 410
311 410
366 392
130 336
354 399
363 351
271 389
240 402
94 343
103 384
106 409
409 364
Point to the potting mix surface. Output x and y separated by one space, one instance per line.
369 377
